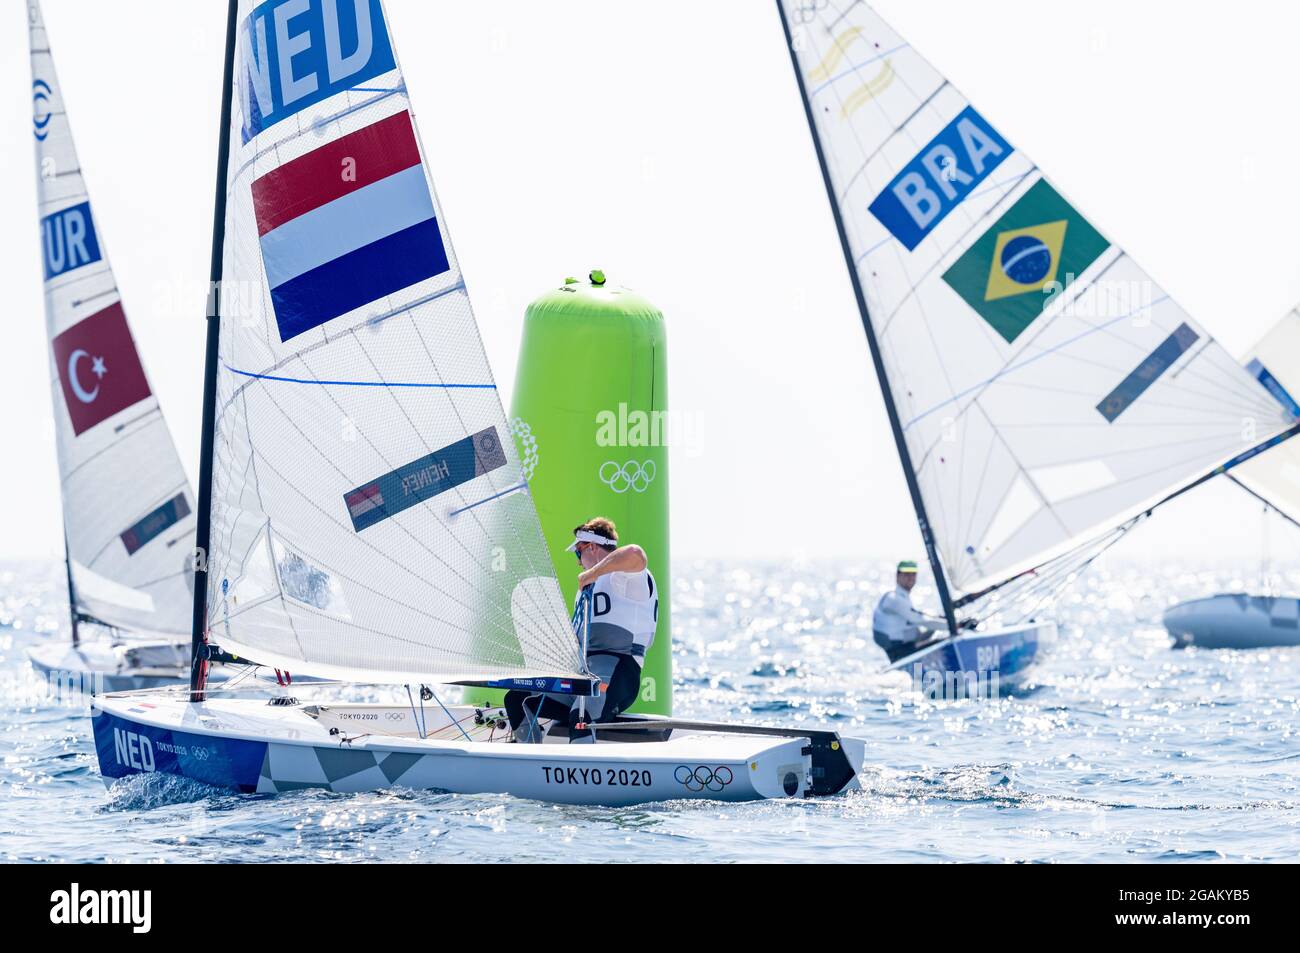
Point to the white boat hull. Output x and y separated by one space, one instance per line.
98 666
1235 621
255 747
978 664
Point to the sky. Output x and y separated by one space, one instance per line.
665 144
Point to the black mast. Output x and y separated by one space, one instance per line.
72 593
940 580
198 633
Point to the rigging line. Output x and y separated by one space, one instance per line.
1217 471
415 715
494 496
1014 367
330 383
1263 499
448 714
1070 575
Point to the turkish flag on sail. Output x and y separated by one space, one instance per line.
99 368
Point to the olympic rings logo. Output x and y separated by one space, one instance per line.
703 777
628 476
806 10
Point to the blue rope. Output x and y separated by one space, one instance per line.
448 714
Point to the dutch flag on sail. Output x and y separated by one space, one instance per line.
346 224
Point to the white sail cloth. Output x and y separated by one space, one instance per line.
1275 362
1047 387
370 519
127 506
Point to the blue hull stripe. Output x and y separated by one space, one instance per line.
1015 652
127 747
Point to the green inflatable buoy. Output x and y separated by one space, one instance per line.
589 417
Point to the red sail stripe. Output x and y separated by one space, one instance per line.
320 176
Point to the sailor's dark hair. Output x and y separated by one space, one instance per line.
599 524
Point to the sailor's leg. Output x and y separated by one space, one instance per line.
514 706
898 650
537 708
624 685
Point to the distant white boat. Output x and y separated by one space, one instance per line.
128 510
1045 395
1235 621
1239 620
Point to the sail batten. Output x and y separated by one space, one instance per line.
1047 388
127 505
369 515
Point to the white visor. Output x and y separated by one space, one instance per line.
587 536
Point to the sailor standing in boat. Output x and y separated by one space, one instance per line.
624 614
898 627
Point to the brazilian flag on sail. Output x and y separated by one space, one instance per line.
1039 241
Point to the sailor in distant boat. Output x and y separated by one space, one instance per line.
899 628
624 615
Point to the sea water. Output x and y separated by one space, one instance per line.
1121 749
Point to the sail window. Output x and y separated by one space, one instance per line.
1069 480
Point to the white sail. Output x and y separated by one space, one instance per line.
1046 387
127 506
370 519
1275 363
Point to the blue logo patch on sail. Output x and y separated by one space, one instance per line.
293 53
1273 386
155 523
68 240
330 243
1147 373
941 175
424 478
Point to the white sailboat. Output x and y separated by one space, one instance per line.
127 505
361 504
1044 393
1241 620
